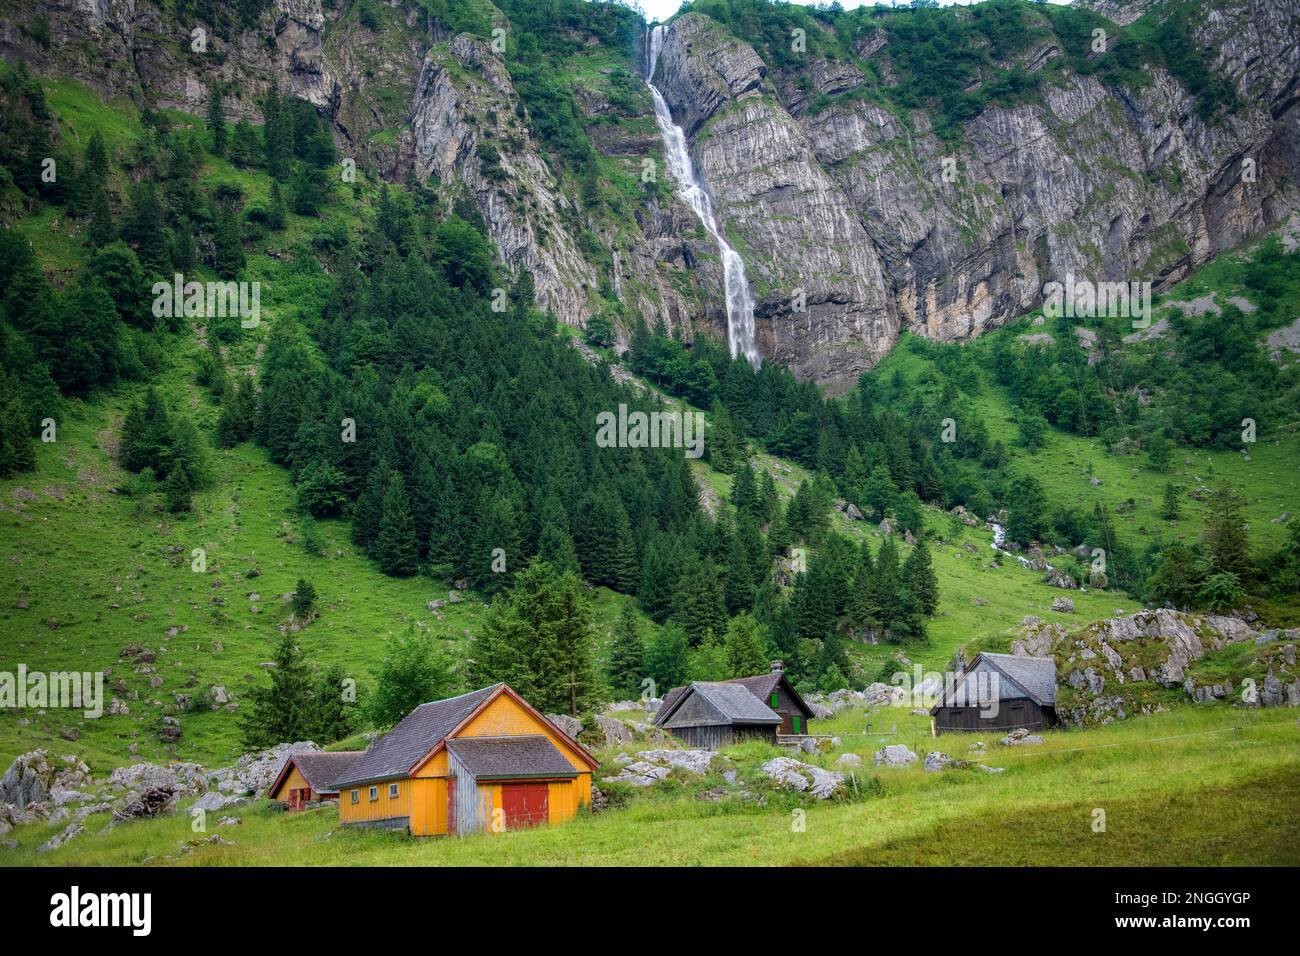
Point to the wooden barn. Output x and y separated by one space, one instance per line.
712 713
483 761
1024 689
310 776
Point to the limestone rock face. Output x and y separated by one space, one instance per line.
1115 668
457 95
856 223
1149 188
822 305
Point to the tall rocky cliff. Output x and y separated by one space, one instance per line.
850 230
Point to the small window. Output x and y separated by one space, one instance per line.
374 793
356 796
776 698
392 791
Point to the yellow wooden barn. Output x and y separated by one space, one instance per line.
483 761
309 776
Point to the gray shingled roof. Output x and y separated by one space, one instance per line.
1036 676
322 769
760 687
531 755
393 754
735 702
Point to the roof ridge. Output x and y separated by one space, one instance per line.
468 693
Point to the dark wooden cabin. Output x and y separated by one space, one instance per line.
1025 695
775 690
710 713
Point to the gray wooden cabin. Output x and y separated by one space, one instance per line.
710 714
1025 695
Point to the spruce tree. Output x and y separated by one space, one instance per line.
216 120
1224 540
745 653
627 655
178 491
283 712
555 547
699 599
744 492
102 229
335 715
920 580
1171 510
769 499
395 547
738 591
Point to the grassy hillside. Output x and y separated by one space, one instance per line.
94 571
1204 785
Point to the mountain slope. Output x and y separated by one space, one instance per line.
828 153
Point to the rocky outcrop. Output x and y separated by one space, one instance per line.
38 778
1104 183
822 305
1122 666
857 221
467 125
894 755
654 765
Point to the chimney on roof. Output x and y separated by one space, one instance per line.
778 667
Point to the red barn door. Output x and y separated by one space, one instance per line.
525 804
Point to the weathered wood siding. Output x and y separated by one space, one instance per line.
1012 714
711 737
471 812
788 708
695 711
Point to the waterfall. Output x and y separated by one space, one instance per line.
740 303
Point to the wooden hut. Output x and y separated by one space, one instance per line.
310 776
999 692
483 761
775 690
711 713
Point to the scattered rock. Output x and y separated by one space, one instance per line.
792 774
895 755
937 760
692 761
1020 738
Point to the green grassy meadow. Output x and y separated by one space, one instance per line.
1202 785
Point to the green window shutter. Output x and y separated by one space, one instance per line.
796 726
776 699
